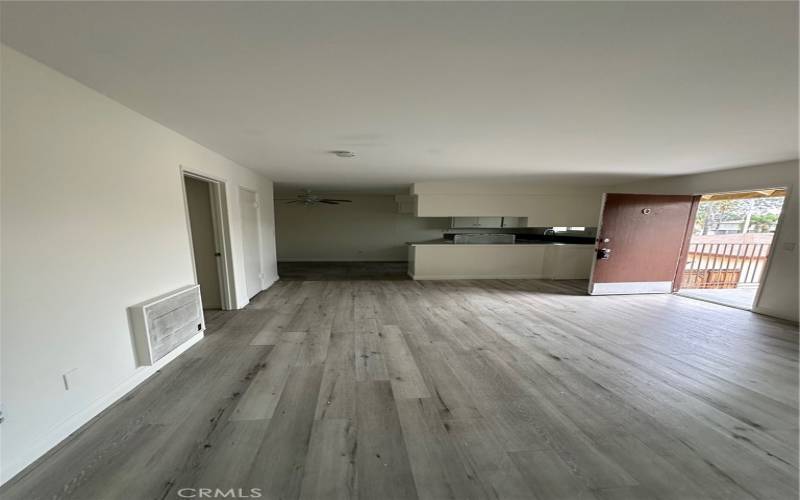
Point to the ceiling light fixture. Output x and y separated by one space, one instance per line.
344 154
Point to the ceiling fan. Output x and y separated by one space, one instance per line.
308 199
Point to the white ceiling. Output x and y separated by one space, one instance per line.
577 92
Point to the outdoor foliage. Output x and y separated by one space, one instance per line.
760 214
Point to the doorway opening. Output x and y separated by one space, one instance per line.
210 243
730 246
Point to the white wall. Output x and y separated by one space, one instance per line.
93 221
544 205
368 229
779 294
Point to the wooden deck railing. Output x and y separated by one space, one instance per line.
724 265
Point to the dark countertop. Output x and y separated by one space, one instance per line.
443 241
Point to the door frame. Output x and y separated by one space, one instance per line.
260 248
754 307
222 237
687 238
597 242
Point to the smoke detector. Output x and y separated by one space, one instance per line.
343 154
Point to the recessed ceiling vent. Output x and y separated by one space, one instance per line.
341 153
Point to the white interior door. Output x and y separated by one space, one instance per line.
251 242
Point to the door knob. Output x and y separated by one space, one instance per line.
603 253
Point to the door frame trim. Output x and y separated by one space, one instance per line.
775 236
220 219
687 238
597 242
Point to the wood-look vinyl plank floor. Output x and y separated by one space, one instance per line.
518 389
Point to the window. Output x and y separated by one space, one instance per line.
561 229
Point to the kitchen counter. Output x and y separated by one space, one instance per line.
522 242
443 259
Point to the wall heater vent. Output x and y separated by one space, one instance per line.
165 322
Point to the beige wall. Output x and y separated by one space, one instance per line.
543 205
368 229
93 221
779 294
526 261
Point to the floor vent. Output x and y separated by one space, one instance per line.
165 322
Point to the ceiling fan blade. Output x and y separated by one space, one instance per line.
295 201
329 202
333 199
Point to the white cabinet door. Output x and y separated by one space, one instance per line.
482 222
512 221
490 221
462 222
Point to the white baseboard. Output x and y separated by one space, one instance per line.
291 259
478 277
630 288
63 430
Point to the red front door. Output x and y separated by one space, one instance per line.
640 242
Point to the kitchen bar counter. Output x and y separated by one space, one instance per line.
443 259
523 242
522 239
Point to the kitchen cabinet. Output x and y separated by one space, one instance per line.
479 222
541 210
515 222
462 222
